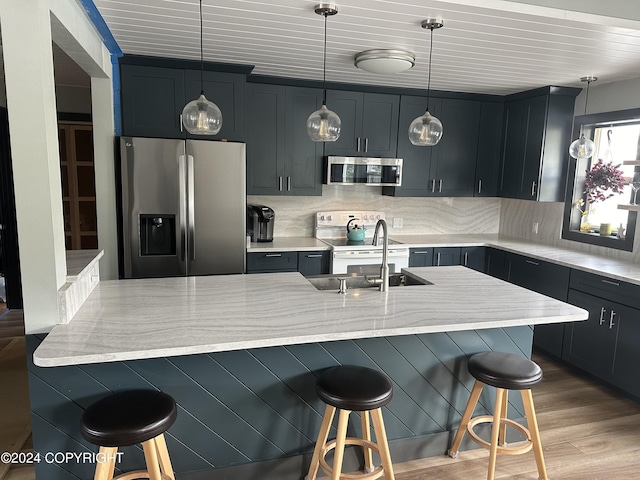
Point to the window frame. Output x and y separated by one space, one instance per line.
571 217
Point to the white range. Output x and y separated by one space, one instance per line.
358 256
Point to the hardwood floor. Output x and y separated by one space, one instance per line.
588 431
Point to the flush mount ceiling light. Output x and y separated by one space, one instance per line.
384 61
324 125
201 116
427 129
583 147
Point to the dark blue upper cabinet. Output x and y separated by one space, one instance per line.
152 99
226 90
489 149
369 124
537 133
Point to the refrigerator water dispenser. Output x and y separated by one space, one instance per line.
157 235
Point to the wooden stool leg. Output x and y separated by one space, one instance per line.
151 459
502 439
329 411
341 436
466 416
105 469
366 435
383 444
532 423
495 432
163 456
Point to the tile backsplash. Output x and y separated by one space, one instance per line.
295 216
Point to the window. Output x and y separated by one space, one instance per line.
609 220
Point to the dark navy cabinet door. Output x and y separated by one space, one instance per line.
265 139
152 100
446 256
516 121
302 156
496 263
416 161
226 90
534 138
314 263
348 106
623 348
489 150
453 160
473 257
379 125
420 257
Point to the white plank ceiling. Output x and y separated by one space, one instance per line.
479 49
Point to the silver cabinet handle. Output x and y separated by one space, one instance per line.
314 255
438 260
479 186
466 257
273 255
358 144
421 252
440 185
533 263
433 185
611 324
609 282
533 189
181 125
602 312
366 144
279 184
288 184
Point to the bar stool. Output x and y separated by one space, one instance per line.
505 371
350 388
126 418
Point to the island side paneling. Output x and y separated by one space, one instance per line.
247 406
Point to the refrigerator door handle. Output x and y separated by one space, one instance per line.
182 181
191 214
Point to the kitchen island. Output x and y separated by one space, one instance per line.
240 355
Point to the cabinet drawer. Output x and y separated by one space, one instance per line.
314 263
265 262
609 288
540 276
420 257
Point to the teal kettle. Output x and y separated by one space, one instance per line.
355 232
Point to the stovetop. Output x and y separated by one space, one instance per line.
367 242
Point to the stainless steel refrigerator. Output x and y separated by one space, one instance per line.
183 207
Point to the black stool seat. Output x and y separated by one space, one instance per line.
505 370
350 387
128 417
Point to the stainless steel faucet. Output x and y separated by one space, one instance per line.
383 281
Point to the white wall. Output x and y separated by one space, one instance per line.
610 97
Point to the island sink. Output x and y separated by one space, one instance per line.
355 281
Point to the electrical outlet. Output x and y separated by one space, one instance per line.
397 222
534 228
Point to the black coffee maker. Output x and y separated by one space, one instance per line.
260 220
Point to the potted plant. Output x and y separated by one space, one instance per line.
602 181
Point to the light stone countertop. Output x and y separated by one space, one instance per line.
149 318
291 244
80 260
618 269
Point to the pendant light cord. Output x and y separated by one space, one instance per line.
201 55
586 100
429 81
324 64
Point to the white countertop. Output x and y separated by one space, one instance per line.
290 244
80 260
588 262
148 318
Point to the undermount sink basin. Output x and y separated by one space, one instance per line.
354 281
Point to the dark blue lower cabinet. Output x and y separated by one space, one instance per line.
473 258
314 263
443 256
307 263
420 257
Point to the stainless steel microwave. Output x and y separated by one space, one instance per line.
363 171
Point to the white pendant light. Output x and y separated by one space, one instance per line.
427 129
324 125
201 116
583 147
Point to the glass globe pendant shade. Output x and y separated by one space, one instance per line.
425 130
582 147
202 117
323 125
